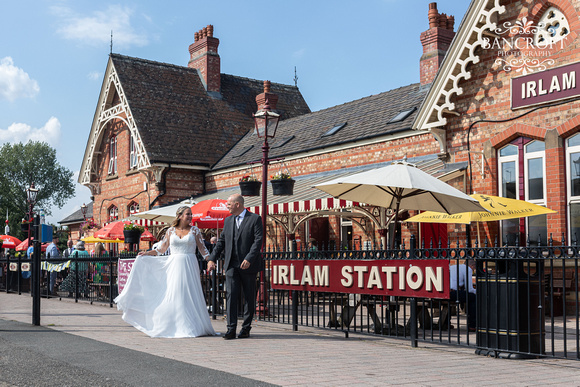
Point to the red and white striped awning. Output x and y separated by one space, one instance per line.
139 221
305 206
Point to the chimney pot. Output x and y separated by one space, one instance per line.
267 85
433 15
443 21
450 22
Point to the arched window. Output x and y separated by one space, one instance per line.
133 208
112 170
522 171
132 153
113 213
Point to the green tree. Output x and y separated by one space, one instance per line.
33 162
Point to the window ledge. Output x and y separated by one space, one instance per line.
131 172
112 177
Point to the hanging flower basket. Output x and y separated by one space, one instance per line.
282 186
131 236
24 226
250 188
132 233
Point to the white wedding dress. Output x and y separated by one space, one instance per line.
163 295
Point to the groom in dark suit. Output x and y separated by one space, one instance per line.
241 240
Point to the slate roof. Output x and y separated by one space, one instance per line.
179 122
77 216
364 118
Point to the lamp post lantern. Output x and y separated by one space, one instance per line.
31 194
84 213
266 123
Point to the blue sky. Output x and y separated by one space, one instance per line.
53 55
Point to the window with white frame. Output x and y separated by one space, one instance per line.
113 213
112 170
573 186
133 154
528 184
133 208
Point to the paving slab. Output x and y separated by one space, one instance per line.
93 339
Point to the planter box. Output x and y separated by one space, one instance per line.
24 227
283 187
250 188
131 236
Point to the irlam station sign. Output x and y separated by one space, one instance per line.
396 277
545 86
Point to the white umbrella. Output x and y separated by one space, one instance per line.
164 214
401 186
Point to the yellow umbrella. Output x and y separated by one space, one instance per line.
92 239
499 209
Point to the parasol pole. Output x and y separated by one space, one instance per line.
395 224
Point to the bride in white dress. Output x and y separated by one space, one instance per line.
163 295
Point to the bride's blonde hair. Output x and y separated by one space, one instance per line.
178 214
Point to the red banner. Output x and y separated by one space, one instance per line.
397 277
124 268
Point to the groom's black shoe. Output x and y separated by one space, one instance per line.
244 333
230 334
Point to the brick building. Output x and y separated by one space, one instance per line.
483 117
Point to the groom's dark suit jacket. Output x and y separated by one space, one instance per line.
249 242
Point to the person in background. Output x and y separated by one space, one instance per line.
68 285
312 247
461 288
52 253
69 249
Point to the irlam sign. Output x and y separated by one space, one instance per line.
545 86
396 277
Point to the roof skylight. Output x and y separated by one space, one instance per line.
402 115
333 130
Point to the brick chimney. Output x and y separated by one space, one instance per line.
271 98
436 41
204 57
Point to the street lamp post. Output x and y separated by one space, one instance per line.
266 123
31 195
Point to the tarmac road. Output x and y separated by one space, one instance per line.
38 356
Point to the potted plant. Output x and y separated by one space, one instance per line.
250 186
24 226
132 233
282 183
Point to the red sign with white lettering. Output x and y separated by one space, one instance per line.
397 277
545 86
124 267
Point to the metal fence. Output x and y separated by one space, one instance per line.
526 304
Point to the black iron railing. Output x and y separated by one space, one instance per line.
527 301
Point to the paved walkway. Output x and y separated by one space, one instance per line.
115 354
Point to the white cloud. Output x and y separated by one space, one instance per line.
96 28
94 75
19 132
14 82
